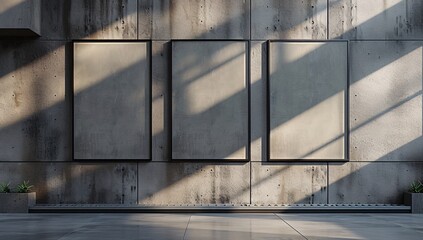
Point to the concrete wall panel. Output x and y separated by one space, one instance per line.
93 19
258 71
288 183
367 182
34 112
209 100
386 101
376 19
187 19
111 101
20 18
145 18
74 183
307 85
193 183
161 51
289 19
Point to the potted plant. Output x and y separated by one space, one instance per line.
18 201
414 197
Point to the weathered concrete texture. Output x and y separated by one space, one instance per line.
92 19
386 101
209 100
288 19
258 71
162 183
376 19
55 183
371 182
288 183
160 114
20 18
415 200
16 202
188 19
111 100
307 85
34 114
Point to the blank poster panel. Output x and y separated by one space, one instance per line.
209 100
307 88
111 100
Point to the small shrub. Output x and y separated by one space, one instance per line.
416 187
23 187
4 187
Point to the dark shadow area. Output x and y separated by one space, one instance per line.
76 182
375 181
38 119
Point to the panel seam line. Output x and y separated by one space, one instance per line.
186 229
290 225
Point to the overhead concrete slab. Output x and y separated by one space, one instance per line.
93 19
307 86
386 101
376 19
111 100
34 112
75 183
163 183
19 18
372 182
209 100
186 19
288 183
288 19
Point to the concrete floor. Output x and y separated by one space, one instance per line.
210 226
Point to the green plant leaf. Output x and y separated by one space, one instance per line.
416 187
4 187
24 187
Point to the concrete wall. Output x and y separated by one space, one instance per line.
374 67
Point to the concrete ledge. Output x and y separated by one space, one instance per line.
17 32
221 208
20 18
